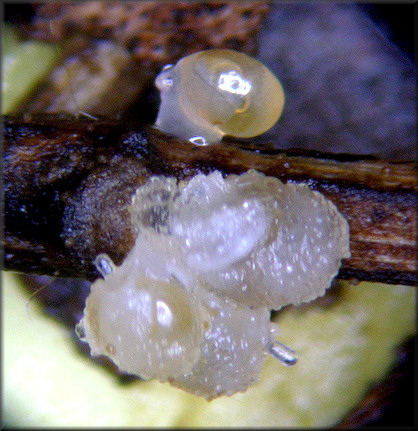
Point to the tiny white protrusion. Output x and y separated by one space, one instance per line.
283 353
104 264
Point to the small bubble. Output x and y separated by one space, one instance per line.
283 353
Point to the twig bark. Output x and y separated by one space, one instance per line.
68 183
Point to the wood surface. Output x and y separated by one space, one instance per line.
68 182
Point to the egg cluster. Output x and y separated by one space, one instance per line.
213 256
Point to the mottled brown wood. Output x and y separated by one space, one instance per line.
68 183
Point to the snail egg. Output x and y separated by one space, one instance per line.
148 327
180 333
218 92
299 255
233 352
256 239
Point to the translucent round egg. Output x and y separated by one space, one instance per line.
148 327
218 92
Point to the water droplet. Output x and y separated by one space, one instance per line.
104 264
283 353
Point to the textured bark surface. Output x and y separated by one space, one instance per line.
156 33
68 183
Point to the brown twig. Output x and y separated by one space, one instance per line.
69 181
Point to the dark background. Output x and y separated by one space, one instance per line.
398 21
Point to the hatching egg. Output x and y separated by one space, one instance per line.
218 92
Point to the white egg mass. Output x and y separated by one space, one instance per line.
191 302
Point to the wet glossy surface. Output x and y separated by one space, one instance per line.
218 92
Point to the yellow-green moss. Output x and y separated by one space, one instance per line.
342 350
24 65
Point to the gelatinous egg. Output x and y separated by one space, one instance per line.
233 352
218 92
148 327
256 239
154 328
